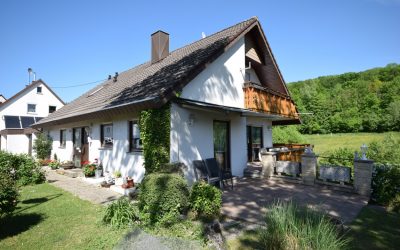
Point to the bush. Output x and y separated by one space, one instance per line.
205 200
292 227
386 151
27 170
287 134
121 213
385 183
394 204
42 145
8 193
162 198
339 157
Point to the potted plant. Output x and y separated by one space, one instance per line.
118 178
129 183
54 165
99 171
89 170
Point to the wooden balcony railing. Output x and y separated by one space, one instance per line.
260 99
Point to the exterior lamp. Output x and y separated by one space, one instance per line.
364 152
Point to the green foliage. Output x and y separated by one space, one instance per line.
89 169
54 164
154 132
394 204
121 213
8 193
292 227
386 151
205 200
42 145
367 101
26 170
386 183
287 134
162 198
338 157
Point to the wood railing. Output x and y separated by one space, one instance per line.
261 99
290 152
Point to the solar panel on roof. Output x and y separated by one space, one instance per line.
27 121
12 121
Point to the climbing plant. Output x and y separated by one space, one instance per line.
154 132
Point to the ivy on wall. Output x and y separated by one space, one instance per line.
154 131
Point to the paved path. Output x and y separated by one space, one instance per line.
83 190
248 199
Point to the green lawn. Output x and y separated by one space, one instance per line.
325 143
375 228
49 218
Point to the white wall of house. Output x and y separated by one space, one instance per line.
17 144
222 81
195 142
115 158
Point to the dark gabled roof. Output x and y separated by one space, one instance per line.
149 85
28 87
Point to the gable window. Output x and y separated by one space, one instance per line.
106 135
31 108
135 143
39 90
52 109
63 138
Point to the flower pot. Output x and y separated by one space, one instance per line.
130 183
98 173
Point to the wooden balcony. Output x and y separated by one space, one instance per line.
264 100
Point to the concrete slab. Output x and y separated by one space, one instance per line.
249 197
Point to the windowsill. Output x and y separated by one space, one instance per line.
62 147
105 148
31 113
137 151
39 93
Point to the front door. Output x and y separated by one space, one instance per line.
222 144
81 146
254 143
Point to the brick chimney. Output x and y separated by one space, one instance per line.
159 46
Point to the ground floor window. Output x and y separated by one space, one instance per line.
135 143
222 144
63 138
106 136
254 142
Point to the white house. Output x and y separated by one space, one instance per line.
226 93
19 112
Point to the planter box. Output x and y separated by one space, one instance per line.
288 167
334 173
67 166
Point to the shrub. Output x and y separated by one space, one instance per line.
205 200
162 198
287 134
385 183
292 227
339 157
121 213
386 151
394 204
8 193
27 170
42 145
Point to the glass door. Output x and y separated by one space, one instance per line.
222 144
254 143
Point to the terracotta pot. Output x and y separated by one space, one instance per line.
130 183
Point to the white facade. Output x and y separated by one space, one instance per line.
114 158
17 105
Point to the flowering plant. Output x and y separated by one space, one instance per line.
89 169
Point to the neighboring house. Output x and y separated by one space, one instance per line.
22 110
226 93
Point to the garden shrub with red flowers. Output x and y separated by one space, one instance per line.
89 169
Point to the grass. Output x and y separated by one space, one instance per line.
324 143
375 228
49 218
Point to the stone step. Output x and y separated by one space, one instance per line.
252 172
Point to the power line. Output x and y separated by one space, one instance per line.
76 85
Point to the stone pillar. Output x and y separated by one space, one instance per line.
308 167
363 176
268 160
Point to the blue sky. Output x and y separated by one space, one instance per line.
75 42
